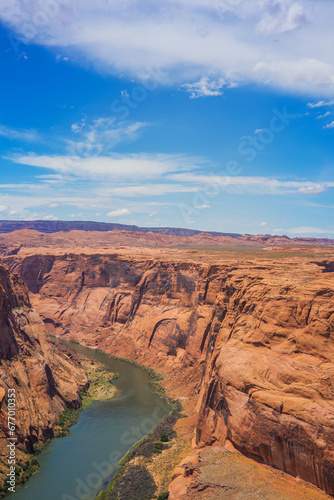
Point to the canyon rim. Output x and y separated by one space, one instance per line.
244 340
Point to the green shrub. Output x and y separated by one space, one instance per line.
102 495
163 496
164 438
164 428
158 447
135 484
68 417
37 448
34 461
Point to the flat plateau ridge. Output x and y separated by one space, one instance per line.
113 232
244 335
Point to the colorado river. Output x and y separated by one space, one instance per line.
76 467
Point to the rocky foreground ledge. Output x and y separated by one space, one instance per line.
246 342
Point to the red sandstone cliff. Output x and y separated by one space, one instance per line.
44 378
255 338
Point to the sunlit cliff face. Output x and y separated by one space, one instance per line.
252 338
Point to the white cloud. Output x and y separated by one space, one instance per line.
284 43
23 187
328 113
320 104
310 72
118 166
17 213
50 217
251 185
102 135
201 207
20 134
119 212
282 16
77 127
129 190
20 212
329 125
313 188
258 130
51 178
59 57
34 205
204 87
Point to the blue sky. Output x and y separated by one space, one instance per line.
215 115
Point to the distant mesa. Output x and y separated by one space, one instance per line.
134 235
44 226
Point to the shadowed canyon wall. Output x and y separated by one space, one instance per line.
253 339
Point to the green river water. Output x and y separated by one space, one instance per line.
78 466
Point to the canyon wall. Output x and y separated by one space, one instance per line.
44 377
252 339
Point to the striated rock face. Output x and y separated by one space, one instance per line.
145 310
254 338
267 385
45 379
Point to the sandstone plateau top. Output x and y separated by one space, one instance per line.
141 236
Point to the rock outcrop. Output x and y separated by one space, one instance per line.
217 473
43 376
253 338
267 385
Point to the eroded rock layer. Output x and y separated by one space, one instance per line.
254 338
44 378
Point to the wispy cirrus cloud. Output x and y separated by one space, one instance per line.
320 117
329 125
26 135
253 185
120 166
162 173
102 135
320 104
129 186
149 189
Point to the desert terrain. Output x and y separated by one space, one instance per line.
242 334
